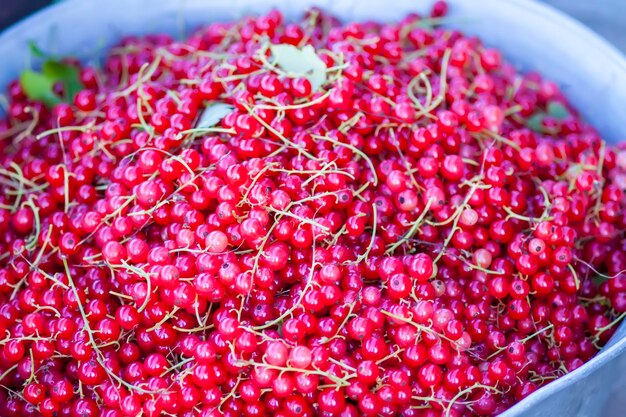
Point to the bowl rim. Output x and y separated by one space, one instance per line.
615 347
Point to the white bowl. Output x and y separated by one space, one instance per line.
591 73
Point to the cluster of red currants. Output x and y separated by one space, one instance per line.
391 221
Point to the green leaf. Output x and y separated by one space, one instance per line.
535 122
39 87
557 110
599 279
35 50
300 62
213 114
66 74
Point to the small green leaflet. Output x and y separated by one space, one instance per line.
35 50
66 74
213 114
557 110
554 109
599 279
40 85
535 122
300 62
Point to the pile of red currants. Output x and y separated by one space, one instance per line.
301 219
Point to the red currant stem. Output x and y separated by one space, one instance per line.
120 295
14 129
513 215
279 135
597 299
407 165
31 242
340 232
259 334
86 128
355 150
364 256
287 313
32 124
21 183
18 175
20 191
547 205
32 376
130 199
140 272
600 180
142 121
262 335
600 274
176 366
145 73
420 327
428 401
8 372
81 392
201 322
443 85
302 105
512 110
341 326
174 157
16 288
575 275
350 123
164 319
393 354
230 78
312 198
300 219
15 393
321 172
423 23
429 89
335 379
278 151
111 343
456 216
194 330
231 393
92 340
457 213
359 191
268 167
477 267
541 378
343 365
524 340
45 243
415 226
100 146
498 138
26 338
603 329
392 104
470 162
208 130
266 239
563 368
468 391
48 308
